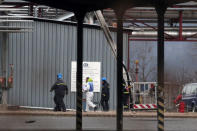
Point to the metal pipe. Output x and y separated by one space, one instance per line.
153 20
31 9
168 9
16 21
152 15
12 9
128 69
14 27
4 60
136 70
169 40
180 25
65 16
16 16
152 27
153 9
128 59
185 28
154 33
16 31
36 9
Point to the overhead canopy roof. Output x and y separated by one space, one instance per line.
90 5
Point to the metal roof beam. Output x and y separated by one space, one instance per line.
153 15
65 16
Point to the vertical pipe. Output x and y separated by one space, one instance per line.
136 70
128 69
31 9
181 25
128 58
119 110
40 12
3 65
80 17
160 8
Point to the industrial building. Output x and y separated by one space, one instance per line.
42 38
48 48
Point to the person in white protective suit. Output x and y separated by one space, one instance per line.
89 90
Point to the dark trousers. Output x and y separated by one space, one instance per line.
104 104
59 102
126 101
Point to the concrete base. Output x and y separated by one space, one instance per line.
3 106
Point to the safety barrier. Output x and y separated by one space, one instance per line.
144 106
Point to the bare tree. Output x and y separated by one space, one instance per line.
195 77
178 77
175 79
147 64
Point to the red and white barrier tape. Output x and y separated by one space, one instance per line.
145 106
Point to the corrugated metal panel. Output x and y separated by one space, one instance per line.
1 41
39 55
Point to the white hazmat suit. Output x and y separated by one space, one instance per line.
89 90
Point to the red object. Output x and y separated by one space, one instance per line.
10 80
181 107
144 106
178 98
1 80
152 86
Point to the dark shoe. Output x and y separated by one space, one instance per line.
64 110
95 108
55 109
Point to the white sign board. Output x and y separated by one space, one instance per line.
90 69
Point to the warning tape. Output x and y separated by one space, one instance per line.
144 106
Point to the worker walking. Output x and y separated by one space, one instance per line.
89 90
60 89
105 94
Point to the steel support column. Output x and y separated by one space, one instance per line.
180 25
128 69
80 17
160 9
3 66
119 110
128 57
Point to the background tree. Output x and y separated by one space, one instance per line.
147 63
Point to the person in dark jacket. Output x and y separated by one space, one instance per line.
60 89
105 95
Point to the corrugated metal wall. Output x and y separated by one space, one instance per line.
39 55
3 57
1 42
